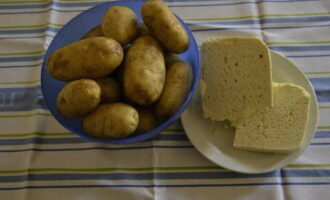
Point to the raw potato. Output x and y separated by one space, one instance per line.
147 120
120 23
94 32
144 71
164 26
89 58
116 120
78 98
177 84
110 90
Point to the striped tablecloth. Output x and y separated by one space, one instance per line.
39 159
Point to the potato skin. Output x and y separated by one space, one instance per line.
164 26
115 120
89 58
147 120
78 98
120 23
144 71
94 32
177 84
110 90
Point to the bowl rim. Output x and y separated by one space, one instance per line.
133 138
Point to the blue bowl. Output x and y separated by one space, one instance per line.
72 32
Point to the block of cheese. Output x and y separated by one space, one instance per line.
236 77
280 128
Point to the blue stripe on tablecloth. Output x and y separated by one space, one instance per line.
30 98
40 140
301 48
320 143
307 56
21 59
322 88
165 186
160 175
90 4
20 66
74 140
77 140
322 134
96 148
115 148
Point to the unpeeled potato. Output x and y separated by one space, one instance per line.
115 120
144 71
110 90
164 26
147 120
89 58
94 32
78 98
177 84
120 23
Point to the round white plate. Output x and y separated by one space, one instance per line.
215 142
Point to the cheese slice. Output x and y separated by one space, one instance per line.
236 78
280 128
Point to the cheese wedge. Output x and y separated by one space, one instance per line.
236 78
280 128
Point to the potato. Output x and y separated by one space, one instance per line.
115 120
177 84
144 71
110 90
94 32
89 58
78 98
147 120
164 26
120 23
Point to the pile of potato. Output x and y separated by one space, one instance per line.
124 78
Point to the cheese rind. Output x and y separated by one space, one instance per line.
236 77
280 128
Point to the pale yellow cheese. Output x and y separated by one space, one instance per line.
236 77
280 128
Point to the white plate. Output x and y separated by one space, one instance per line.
219 147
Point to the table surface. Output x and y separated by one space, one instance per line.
40 159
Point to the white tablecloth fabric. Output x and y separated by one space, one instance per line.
39 159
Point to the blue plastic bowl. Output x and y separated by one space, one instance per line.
73 31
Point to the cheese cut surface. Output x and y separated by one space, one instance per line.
236 77
280 128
